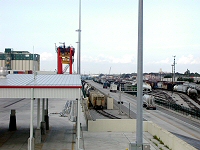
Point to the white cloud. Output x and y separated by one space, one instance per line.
109 59
190 59
164 61
45 56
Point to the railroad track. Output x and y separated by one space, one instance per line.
162 95
106 114
191 105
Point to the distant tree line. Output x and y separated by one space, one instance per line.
185 79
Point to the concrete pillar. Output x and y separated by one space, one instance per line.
38 114
72 116
12 124
38 130
47 105
38 137
31 143
43 128
46 116
43 109
46 119
43 123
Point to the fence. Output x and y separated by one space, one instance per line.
178 108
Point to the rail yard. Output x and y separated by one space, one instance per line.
181 124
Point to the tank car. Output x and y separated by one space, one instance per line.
192 92
180 88
148 102
147 87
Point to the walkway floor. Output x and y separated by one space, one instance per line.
61 135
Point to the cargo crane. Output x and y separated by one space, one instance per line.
65 55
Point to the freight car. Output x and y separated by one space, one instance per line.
96 99
133 87
148 102
190 91
186 87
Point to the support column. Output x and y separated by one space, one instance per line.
43 123
72 116
46 116
78 121
31 138
38 130
12 124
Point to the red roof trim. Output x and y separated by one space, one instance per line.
23 86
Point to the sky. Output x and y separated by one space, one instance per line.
109 33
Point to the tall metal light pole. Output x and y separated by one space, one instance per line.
139 128
172 73
139 131
79 42
174 67
79 72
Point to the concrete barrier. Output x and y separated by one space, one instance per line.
167 138
129 125
113 125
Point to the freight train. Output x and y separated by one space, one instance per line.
96 99
189 89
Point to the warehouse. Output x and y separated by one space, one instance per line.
19 60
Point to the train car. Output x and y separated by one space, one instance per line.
159 85
97 99
153 84
147 87
148 102
131 87
192 92
181 88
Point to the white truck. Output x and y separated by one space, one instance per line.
113 87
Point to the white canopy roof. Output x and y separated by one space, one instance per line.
45 86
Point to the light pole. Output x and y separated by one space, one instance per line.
79 72
120 100
139 127
79 42
172 74
174 67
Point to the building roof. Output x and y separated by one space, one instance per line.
45 86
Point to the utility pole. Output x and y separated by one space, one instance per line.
174 67
172 74
109 70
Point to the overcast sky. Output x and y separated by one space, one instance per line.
109 33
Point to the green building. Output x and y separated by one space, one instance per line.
19 60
